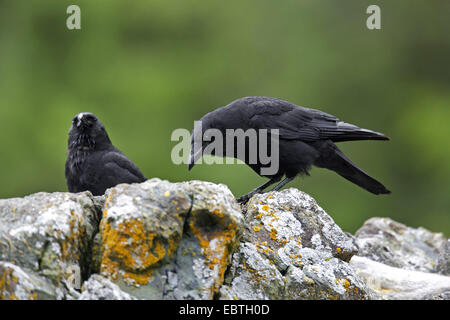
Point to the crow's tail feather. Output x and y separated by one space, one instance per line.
349 132
336 160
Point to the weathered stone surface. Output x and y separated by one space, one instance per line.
392 243
168 240
401 284
48 234
100 288
18 284
291 249
190 240
443 266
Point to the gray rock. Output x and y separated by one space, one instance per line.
401 284
291 249
162 240
392 243
49 234
100 288
20 284
190 240
443 266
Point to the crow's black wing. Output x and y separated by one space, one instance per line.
300 123
293 122
118 168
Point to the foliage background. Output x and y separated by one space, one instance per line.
148 67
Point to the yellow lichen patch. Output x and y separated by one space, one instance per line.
70 245
296 256
339 250
167 193
344 282
216 255
273 234
106 205
8 283
218 213
255 275
265 207
259 216
32 296
132 249
256 228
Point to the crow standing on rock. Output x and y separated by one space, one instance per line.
93 163
306 138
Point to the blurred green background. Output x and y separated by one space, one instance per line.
149 67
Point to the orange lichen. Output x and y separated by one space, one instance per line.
217 255
345 283
8 284
265 207
218 213
273 234
70 244
132 249
256 228
255 275
32 296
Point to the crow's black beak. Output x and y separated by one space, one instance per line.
193 158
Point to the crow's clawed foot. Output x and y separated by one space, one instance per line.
244 199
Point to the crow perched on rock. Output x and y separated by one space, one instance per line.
93 163
306 137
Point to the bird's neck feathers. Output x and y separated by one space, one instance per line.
82 144
88 143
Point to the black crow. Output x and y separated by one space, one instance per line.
93 163
306 137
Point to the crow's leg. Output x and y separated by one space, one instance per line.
283 183
247 196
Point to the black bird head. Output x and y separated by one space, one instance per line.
201 138
87 133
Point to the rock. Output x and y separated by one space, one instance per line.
50 235
18 284
162 240
401 284
100 288
443 266
394 244
191 240
291 249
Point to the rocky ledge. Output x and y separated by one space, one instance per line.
191 240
